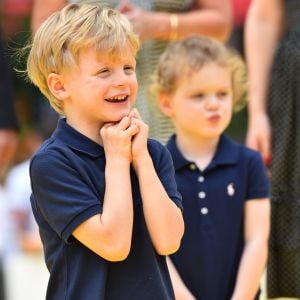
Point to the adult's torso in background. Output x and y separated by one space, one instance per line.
284 110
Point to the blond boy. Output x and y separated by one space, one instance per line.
103 195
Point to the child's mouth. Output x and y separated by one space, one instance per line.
117 99
214 118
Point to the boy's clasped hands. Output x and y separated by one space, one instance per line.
127 139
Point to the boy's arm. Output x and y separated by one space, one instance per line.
102 222
180 289
109 234
252 264
163 217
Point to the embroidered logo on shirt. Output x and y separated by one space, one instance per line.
230 189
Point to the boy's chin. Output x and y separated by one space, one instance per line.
116 119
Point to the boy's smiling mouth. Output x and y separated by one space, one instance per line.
116 99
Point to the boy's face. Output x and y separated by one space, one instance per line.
201 105
100 89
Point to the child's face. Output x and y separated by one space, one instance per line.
101 89
201 105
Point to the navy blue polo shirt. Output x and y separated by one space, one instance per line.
213 203
68 185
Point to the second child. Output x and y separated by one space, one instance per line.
224 185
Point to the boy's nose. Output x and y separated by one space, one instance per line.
120 79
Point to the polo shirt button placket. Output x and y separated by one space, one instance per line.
201 179
193 167
204 210
202 195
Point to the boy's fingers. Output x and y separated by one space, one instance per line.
139 122
134 114
133 129
106 125
124 123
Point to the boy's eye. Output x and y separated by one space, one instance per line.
129 70
103 72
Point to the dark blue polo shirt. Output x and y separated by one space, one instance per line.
68 184
213 209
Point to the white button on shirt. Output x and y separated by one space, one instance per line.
200 178
201 195
204 210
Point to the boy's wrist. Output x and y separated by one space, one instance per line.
142 162
117 162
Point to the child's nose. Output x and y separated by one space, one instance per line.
212 102
120 78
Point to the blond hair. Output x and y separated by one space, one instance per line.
56 45
190 55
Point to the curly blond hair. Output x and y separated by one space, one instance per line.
190 55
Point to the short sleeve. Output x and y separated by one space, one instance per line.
60 195
258 182
166 173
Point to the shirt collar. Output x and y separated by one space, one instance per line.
76 140
226 154
178 159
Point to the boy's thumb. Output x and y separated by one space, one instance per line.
134 113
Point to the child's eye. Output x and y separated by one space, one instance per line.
129 70
103 72
199 96
222 94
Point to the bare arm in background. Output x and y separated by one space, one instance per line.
264 25
208 17
41 9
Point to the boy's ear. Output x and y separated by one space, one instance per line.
56 86
164 103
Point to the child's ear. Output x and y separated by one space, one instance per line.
164 102
56 86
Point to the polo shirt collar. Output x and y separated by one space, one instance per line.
226 154
179 160
76 140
